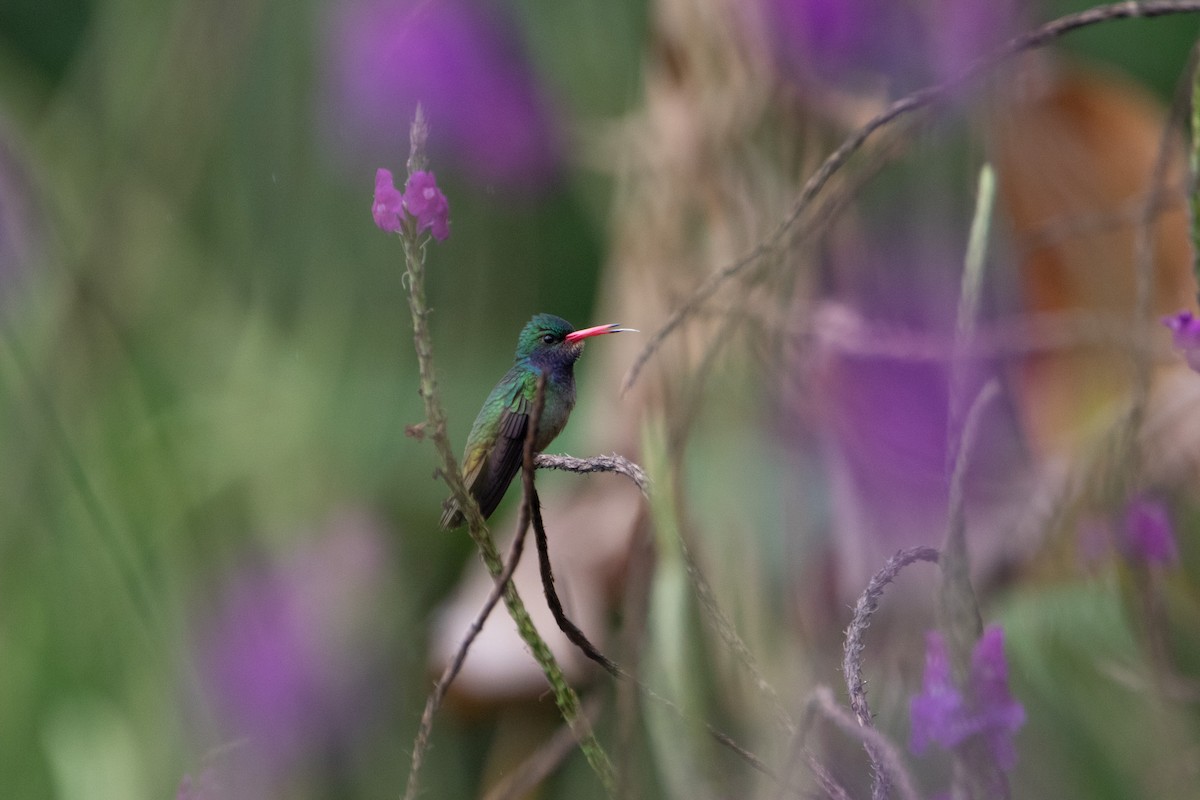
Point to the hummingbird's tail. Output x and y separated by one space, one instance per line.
452 517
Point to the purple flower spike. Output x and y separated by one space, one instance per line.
938 711
1148 534
422 200
999 715
946 716
426 203
1186 332
388 202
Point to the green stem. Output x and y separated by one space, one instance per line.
564 696
959 607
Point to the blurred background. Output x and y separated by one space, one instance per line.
221 574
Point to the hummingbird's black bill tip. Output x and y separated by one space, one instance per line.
599 330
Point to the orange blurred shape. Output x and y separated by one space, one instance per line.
1076 158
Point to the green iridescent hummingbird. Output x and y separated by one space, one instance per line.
548 345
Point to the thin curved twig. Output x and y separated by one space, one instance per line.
867 605
572 631
613 463
606 463
920 99
852 654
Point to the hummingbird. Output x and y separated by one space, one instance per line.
550 346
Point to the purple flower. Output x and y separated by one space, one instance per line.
938 712
881 416
998 714
287 656
948 716
855 41
1185 329
264 668
388 203
837 40
425 202
1148 535
422 200
464 62
962 31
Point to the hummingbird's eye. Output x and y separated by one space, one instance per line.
548 338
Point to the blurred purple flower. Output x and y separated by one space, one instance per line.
286 658
879 408
264 666
463 62
999 716
425 201
960 32
1148 534
845 41
388 203
946 716
1185 330
938 712
836 40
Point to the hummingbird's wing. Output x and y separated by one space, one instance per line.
489 480
494 451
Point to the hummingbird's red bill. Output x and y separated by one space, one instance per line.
599 330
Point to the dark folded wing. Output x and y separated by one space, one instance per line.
496 471
490 468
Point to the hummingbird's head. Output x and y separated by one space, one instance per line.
549 342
